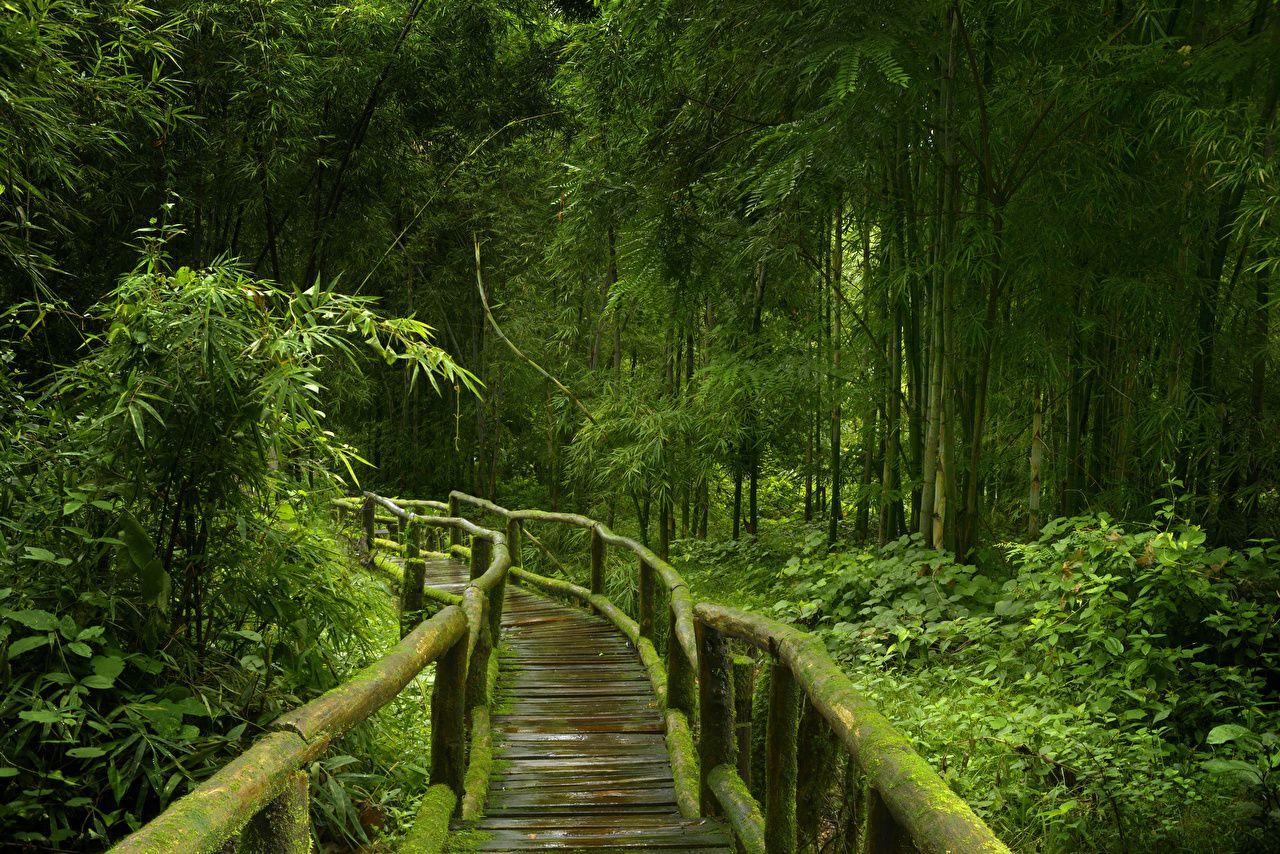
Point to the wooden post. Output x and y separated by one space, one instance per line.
415 571
481 556
646 599
367 518
597 560
514 539
780 762
744 689
817 761
715 703
282 826
455 534
681 690
880 833
448 719
412 540
478 667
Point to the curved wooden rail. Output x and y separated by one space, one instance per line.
907 806
259 801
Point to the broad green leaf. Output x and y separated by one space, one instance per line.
1227 732
40 716
18 647
86 752
107 666
41 621
140 551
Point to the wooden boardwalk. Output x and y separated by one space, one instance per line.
579 755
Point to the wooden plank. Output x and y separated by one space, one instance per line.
581 762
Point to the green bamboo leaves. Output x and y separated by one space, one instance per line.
138 552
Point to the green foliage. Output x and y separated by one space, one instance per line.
169 587
1071 697
78 80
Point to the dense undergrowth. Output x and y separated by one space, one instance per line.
1105 688
169 582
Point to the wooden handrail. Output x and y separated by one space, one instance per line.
263 788
906 797
681 600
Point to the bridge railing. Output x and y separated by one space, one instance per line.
259 801
903 804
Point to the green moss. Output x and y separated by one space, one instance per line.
462 841
430 829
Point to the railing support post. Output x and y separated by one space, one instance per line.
415 570
715 702
817 758
455 534
597 560
880 833
780 761
366 512
682 690
284 825
448 719
478 666
515 537
481 556
646 596
744 689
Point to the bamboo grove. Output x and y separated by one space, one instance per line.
945 268
894 320
954 269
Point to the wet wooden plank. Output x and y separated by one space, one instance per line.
581 761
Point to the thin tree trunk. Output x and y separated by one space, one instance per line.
837 384
1037 455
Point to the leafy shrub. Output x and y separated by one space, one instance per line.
1069 694
168 585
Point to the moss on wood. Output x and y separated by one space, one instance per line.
684 762
284 825
430 827
738 807
201 822
479 765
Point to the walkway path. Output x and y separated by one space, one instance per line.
581 764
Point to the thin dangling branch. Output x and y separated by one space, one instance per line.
497 330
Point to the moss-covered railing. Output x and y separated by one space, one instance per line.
259 801
903 804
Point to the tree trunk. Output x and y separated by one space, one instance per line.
1037 454
837 383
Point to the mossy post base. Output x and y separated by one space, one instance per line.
744 689
448 720
431 826
781 743
715 702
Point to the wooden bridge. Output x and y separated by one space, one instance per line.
610 716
